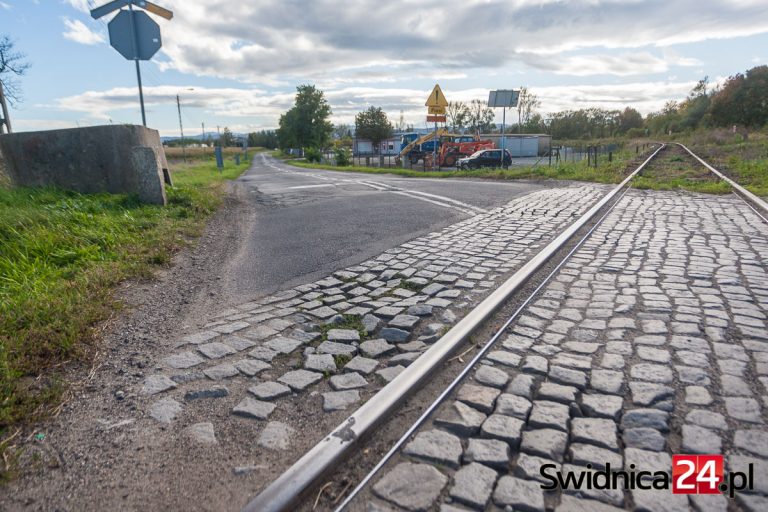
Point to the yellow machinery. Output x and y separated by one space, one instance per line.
421 140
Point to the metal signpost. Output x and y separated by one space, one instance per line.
134 34
436 104
503 98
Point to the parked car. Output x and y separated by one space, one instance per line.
485 158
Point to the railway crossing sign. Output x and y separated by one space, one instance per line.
436 98
133 33
138 42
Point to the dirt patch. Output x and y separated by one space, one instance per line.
101 452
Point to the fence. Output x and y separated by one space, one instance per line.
384 162
590 153
557 154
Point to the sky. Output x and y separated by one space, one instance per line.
237 63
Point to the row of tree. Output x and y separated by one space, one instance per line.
741 100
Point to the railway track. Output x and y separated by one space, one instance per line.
512 320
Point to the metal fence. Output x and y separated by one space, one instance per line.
557 154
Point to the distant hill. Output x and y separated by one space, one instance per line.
199 136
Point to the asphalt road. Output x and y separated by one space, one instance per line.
309 223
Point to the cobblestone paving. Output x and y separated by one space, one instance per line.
652 340
348 334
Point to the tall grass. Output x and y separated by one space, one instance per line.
61 255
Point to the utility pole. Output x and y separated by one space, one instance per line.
4 120
181 129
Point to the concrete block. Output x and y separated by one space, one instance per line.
88 160
150 177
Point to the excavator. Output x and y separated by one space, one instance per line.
413 149
451 148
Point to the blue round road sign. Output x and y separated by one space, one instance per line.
146 41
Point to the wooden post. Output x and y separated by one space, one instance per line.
5 121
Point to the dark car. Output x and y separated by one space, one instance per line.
485 158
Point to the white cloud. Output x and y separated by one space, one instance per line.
260 110
78 32
28 125
329 40
218 101
5 6
81 5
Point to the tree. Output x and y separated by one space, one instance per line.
227 138
12 66
372 124
458 114
263 139
306 124
527 103
743 99
629 118
401 126
480 117
341 130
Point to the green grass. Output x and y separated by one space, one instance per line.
606 172
705 187
351 322
751 174
61 256
743 160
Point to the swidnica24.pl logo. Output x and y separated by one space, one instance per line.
691 474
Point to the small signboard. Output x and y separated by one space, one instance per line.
437 111
436 98
503 98
435 119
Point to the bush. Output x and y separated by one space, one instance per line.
312 155
343 157
634 133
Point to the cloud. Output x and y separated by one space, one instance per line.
78 32
28 125
328 40
260 110
218 101
5 6
81 5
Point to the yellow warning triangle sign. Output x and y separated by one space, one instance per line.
437 98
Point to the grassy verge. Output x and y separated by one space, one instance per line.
61 255
605 172
745 160
204 154
673 169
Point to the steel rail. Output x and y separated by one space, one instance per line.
738 188
492 341
484 350
284 492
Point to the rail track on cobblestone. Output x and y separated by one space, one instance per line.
564 383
